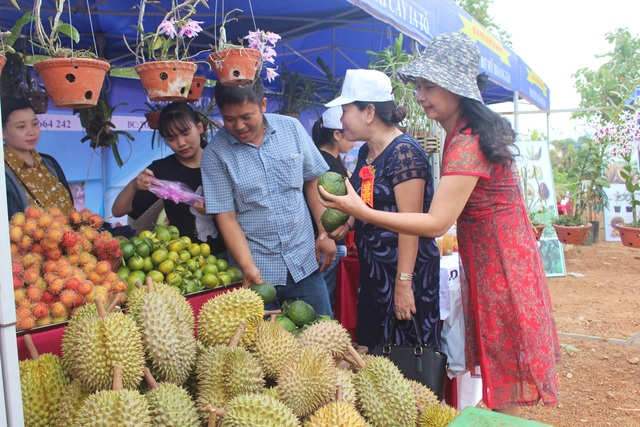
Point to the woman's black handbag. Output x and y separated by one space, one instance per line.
425 365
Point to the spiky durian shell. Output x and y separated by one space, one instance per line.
274 347
424 396
181 305
169 343
345 379
69 406
43 382
171 406
385 394
331 336
224 373
336 414
258 409
308 381
94 345
437 416
107 408
220 316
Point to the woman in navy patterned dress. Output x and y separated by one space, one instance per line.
399 274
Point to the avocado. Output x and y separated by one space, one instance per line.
333 183
332 219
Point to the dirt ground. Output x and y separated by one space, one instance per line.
598 320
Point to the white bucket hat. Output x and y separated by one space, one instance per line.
331 118
365 86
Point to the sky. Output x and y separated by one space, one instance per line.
556 38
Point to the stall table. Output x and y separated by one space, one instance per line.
49 339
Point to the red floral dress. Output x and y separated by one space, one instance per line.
510 329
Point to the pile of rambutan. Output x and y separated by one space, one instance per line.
59 263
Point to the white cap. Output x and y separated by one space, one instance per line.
331 118
365 86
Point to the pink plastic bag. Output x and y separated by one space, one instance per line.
177 192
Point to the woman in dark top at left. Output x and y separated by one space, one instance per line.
32 178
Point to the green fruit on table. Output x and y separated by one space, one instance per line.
210 281
299 312
222 264
266 291
175 233
333 183
156 276
332 219
235 273
286 323
210 269
136 262
224 278
123 273
128 249
163 234
143 249
159 255
205 249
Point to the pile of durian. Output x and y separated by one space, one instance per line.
145 367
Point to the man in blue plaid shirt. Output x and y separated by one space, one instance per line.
259 173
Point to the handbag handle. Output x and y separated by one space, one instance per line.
386 349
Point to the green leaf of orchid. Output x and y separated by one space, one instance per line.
70 31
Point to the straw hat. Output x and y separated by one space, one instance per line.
451 61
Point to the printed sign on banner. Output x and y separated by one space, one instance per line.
534 168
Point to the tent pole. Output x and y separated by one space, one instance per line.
12 402
516 120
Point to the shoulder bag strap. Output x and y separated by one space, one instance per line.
35 199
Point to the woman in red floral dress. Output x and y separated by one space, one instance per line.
510 330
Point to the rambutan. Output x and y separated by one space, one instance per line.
74 259
73 250
94 277
75 218
38 234
19 295
79 300
47 297
50 267
48 244
68 298
88 267
54 211
16 268
85 287
72 284
49 277
56 286
15 233
87 246
95 221
64 269
99 292
107 285
31 260
29 226
57 224
54 234
30 275
25 243
45 220
88 233
60 319
111 276
23 312
26 323
87 258
40 310
120 286
102 268
33 212
17 282
37 248
99 247
34 293
85 214
41 283
18 219
78 273
13 248
113 245
52 254
69 239
44 321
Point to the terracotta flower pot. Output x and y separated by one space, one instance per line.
197 86
235 66
572 235
537 230
166 80
629 236
73 82
39 101
152 119
3 60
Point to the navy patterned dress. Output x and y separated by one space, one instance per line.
402 160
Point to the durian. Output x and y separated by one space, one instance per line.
116 407
258 409
274 347
43 382
336 414
219 317
424 396
170 405
169 343
66 413
385 394
437 416
181 305
308 381
93 345
345 381
331 336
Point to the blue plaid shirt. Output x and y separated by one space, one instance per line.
265 186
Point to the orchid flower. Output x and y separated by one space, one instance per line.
168 28
191 29
265 43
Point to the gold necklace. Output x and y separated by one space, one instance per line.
370 160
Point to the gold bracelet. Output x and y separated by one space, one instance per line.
404 277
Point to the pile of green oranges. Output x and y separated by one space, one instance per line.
165 256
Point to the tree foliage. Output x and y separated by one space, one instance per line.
610 85
479 9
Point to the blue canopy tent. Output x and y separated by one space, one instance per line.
338 31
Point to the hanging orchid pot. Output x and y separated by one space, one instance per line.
153 118
166 80
537 230
572 235
197 86
73 82
629 236
236 66
39 100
